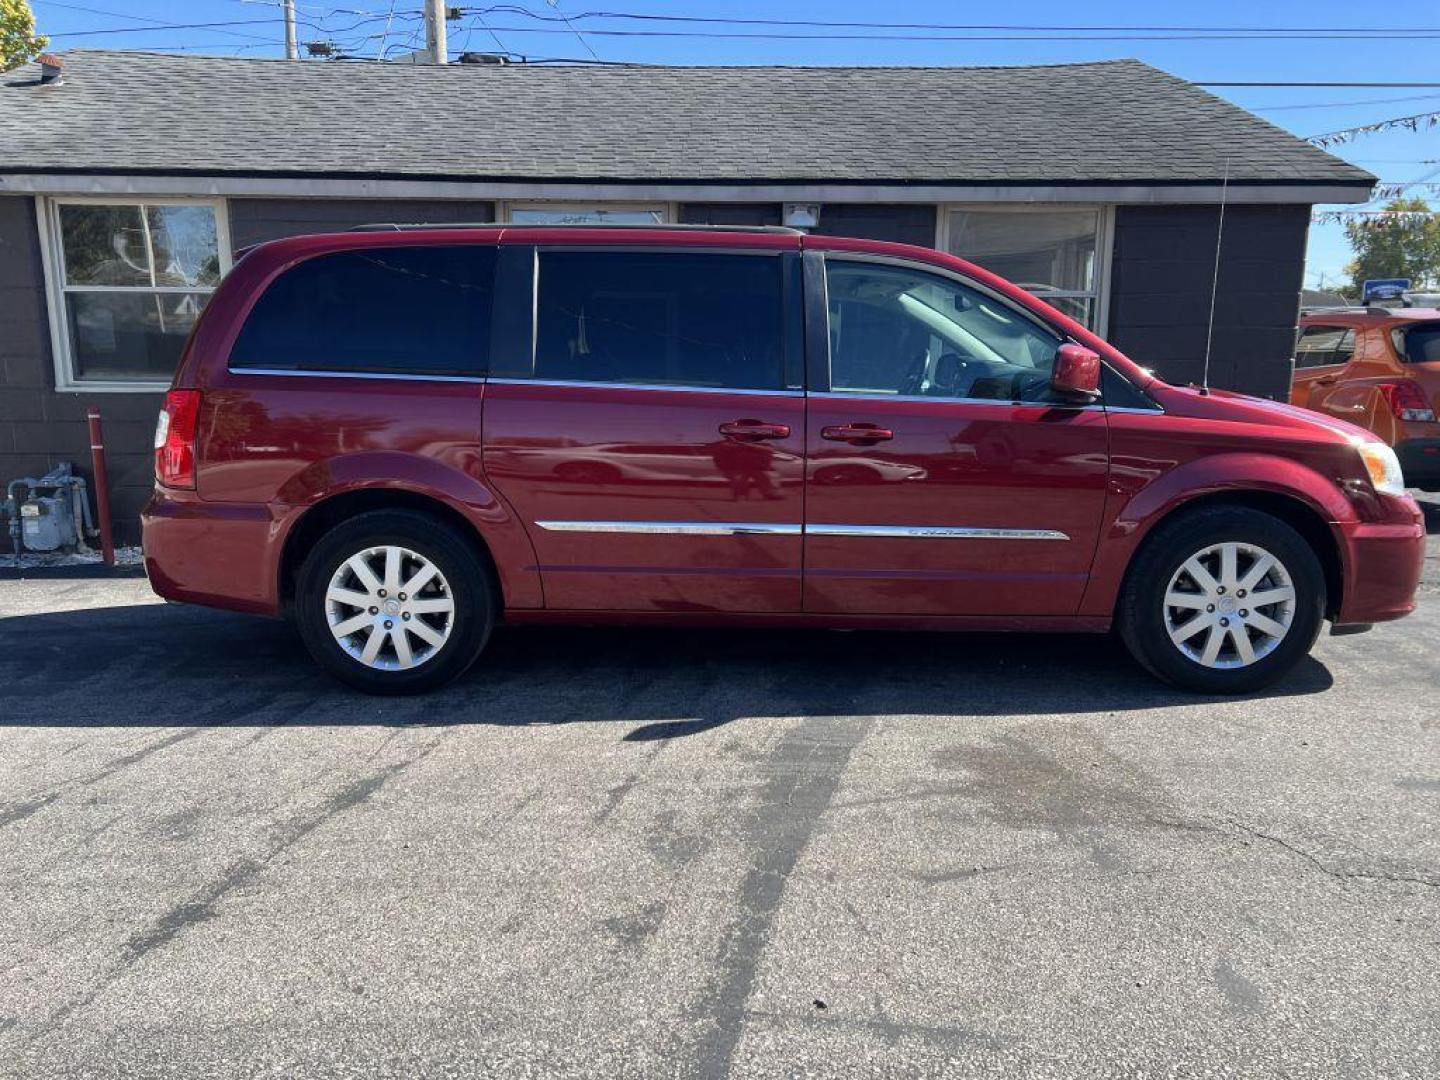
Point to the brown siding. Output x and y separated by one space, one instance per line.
40 428
730 213
256 220
1164 260
902 223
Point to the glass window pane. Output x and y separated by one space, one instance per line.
1037 250
104 245
186 249
901 331
1079 308
682 319
1317 346
1420 344
130 336
421 310
584 215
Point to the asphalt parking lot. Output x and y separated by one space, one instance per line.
676 853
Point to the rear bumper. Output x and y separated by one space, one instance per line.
218 554
1382 566
1420 462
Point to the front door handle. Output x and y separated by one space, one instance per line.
861 434
1326 380
754 430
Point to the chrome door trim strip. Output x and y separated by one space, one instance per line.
748 528
388 376
586 385
935 532
675 528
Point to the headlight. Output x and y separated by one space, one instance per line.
1383 467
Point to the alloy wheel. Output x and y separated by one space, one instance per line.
1229 605
389 607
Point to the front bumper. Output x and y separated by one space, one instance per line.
219 554
1420 462
1381 564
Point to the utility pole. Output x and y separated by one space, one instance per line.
292 47
435 31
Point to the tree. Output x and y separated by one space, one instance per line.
19 43
1396 246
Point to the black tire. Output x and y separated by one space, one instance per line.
469 590
1141 615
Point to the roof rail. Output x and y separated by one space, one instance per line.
391 226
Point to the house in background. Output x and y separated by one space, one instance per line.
131 182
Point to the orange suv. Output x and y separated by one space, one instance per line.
1378 368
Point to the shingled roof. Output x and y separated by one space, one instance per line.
1119 121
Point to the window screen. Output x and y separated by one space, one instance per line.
402 311
653 317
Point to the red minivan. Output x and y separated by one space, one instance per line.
403 436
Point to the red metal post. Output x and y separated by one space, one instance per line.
102 485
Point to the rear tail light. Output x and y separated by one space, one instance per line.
1407 401
175 439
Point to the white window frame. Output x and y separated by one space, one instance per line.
1104 246
669 212
52 257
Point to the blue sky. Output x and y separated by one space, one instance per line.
1393 156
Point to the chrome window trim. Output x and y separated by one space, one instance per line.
675 528
356 375
588 385
743 528
936 532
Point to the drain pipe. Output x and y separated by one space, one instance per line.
102 484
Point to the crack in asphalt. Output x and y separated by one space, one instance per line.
202 905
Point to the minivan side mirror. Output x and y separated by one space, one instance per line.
1076 372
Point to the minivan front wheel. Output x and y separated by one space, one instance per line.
393 602
1223 600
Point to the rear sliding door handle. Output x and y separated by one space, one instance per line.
861 434
754 430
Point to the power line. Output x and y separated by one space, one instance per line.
1342 104
1326 85
777 36
725 20
588 48
160 24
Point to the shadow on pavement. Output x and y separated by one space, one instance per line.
162 665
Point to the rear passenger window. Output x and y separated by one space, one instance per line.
1419 344
1322 345
666 319
398 311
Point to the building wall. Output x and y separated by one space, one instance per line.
1164 262
1159 305
253 221
38 427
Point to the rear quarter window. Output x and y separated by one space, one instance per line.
396 311
1418 344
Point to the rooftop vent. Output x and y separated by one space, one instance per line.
483 58
50 68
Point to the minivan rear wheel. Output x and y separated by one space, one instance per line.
1222 600
393 602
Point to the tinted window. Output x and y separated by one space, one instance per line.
1321 345
1419 344
649 317
894 330
1118 393
422 310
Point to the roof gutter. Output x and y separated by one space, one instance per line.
352 187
